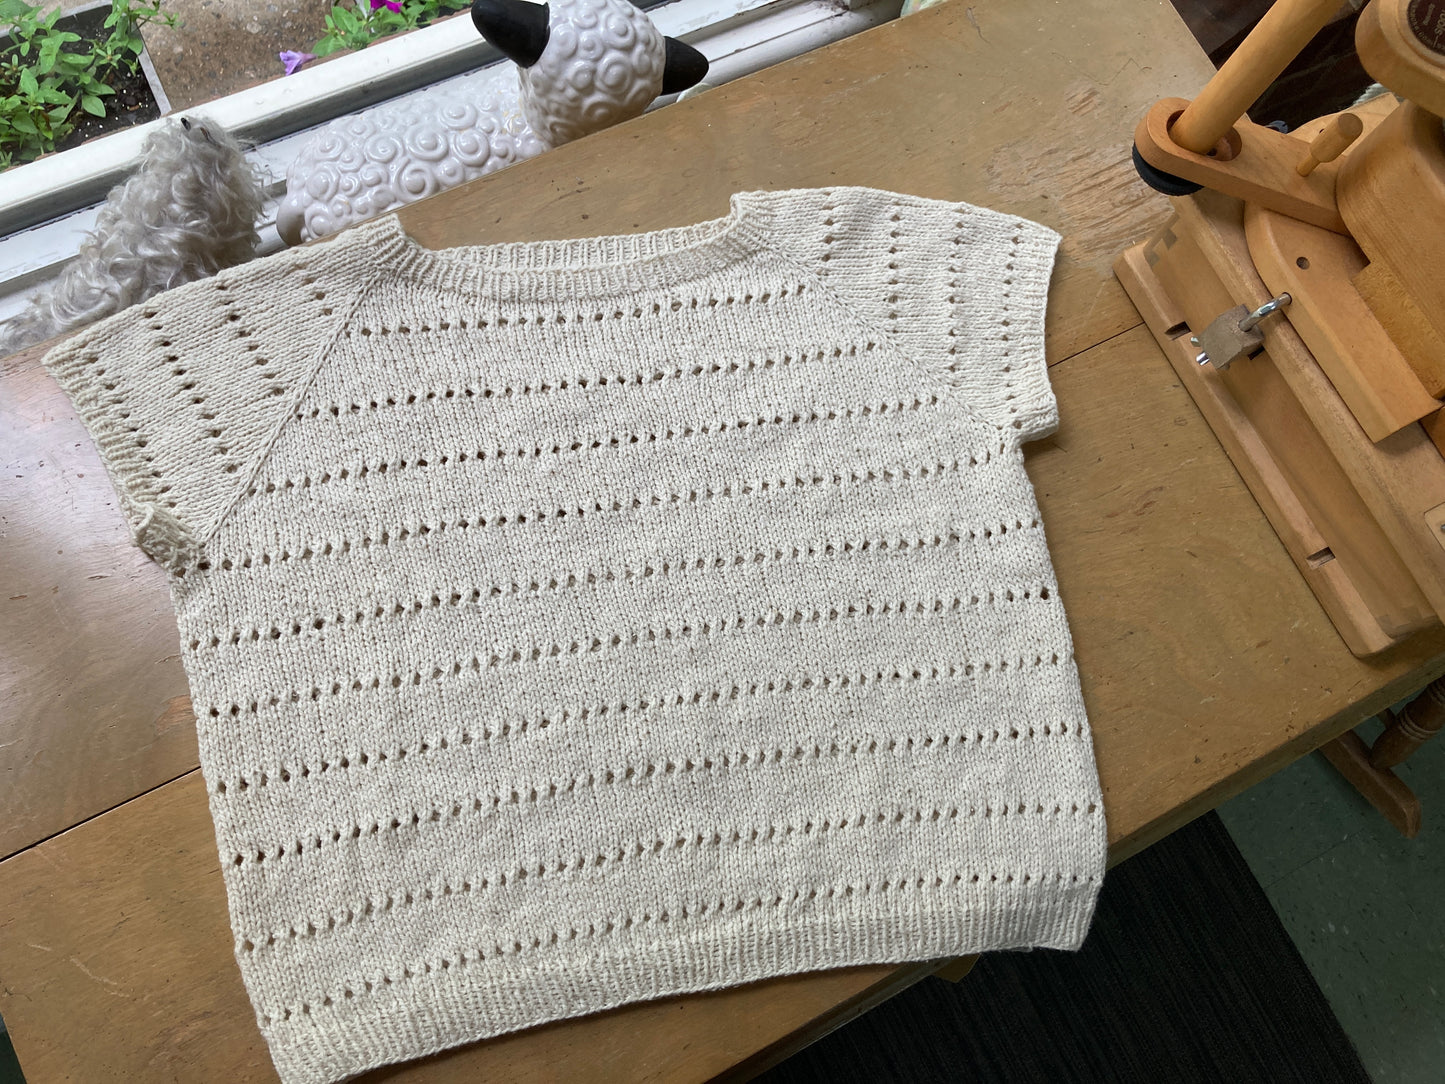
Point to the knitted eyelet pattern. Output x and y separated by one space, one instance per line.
573 623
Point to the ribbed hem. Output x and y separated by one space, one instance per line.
891 922
566 270
1028 406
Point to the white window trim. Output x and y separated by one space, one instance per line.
47 206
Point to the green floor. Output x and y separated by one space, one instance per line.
1365 907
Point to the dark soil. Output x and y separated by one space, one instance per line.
131 104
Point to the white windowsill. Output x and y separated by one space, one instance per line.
46 207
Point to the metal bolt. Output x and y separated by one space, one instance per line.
1273 305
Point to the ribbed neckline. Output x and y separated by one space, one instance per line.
583 267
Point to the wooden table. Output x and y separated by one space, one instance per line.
1206 662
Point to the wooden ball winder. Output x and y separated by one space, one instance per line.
1331 407
1299 291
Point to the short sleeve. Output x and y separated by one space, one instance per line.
960 289
182 392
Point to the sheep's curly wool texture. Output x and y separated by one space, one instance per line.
603 64
578 622
189 210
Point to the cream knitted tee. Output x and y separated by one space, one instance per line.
578 622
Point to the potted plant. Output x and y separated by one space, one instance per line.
357 25
69 76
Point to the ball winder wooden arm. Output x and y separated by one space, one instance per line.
1286 28
1181 146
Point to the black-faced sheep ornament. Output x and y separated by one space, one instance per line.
582 65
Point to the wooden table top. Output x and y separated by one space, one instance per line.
1206 662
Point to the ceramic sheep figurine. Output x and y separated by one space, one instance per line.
582 65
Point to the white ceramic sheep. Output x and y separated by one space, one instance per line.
582 65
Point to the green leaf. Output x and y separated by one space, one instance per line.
28 83
92 105
60 112
24 124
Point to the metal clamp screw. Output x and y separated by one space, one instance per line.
1236 341
1269 308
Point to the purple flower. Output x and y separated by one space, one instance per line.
294 60
390 5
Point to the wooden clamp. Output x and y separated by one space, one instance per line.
1383 390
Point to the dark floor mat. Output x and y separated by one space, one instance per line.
1186 976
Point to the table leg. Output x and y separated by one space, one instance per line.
1420 721
1368 767
1384 790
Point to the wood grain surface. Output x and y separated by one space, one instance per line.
1206 662
1399 480
1401 164
1143 268
90 670
1289 466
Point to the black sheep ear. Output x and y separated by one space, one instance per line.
685 66
516 27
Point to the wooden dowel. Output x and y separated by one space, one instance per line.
1285 29
1331 143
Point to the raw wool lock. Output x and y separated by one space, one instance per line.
189 210
582 65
